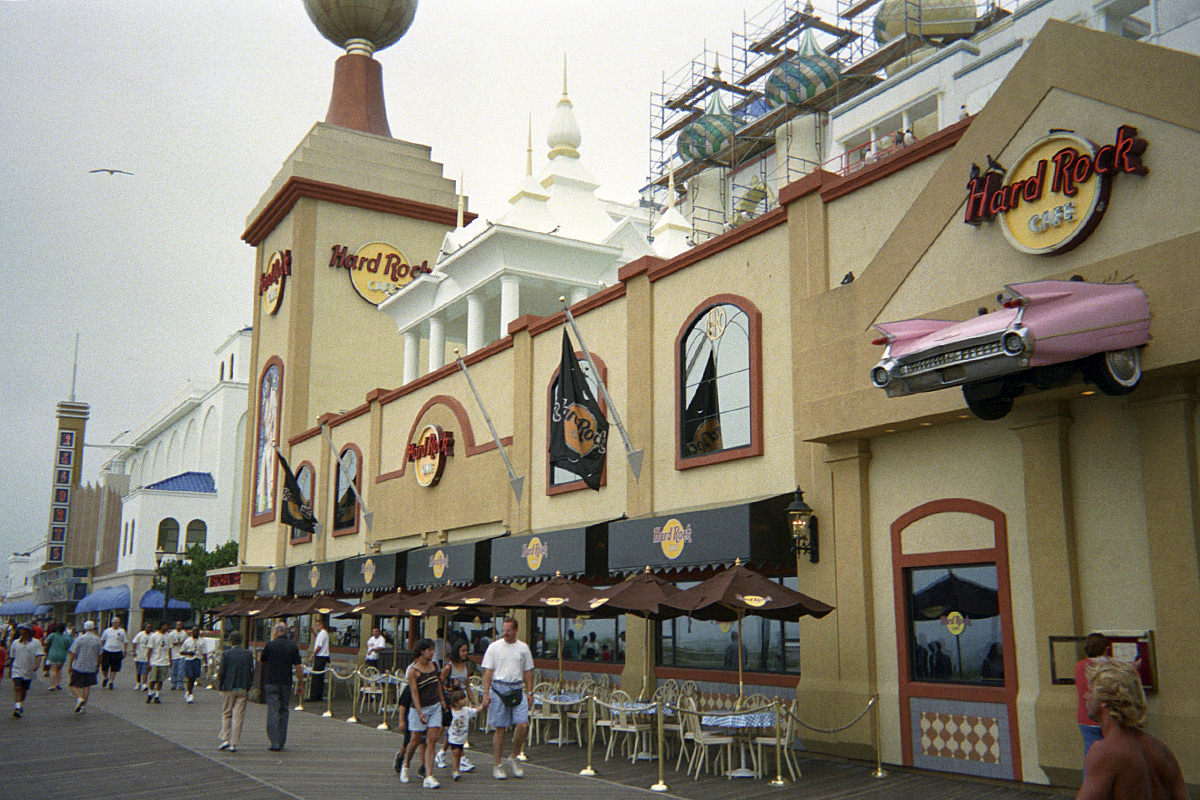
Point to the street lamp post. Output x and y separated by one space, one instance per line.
163 557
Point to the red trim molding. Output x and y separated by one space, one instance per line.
741 233
296 188
755 448
467 435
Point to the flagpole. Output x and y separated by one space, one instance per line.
634 456
367 515
515 482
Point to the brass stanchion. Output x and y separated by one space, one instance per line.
300 695
661 786
588 771
879 770
353 718
778 751
329 693
383 726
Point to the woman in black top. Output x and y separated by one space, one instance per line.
425 716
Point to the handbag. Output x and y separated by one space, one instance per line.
512 698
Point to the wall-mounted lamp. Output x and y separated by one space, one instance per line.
804 527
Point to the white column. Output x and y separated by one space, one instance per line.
510 302
577 294
873 147
474 322
412 349
437 343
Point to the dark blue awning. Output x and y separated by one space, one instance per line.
18 607
154 599
109 598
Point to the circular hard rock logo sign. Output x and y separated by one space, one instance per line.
377 269
534 552
672 537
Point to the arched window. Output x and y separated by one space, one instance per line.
719 374
270 388
197 534
345 511
168 536
304 479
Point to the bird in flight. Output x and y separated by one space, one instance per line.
110 171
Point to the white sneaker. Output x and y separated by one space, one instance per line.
498 773
191 698
430 782
439 760
515 766
455 776
404 774
464 765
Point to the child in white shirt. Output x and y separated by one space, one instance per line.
460 724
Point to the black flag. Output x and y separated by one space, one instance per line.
702 417
294 511
578 429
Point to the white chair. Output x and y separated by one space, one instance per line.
625 721
787 731
702 740
370 692
543 713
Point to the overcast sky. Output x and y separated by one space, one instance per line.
203 100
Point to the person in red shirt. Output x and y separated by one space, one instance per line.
1094 648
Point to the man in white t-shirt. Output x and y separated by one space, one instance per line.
376 644
26 654
507 666
175 639
141 655
112 652
320 660
160 662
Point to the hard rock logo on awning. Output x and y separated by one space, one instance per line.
377 269
534 552
314 576
438 563
672 537
1055 194
368 570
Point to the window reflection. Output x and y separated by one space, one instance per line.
715 396
584 638
346 510
954 625
304 479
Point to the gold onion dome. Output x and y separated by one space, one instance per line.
361 26
712 132
802 76
936 18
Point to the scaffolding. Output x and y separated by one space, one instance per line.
748 174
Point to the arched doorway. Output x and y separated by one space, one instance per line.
957 665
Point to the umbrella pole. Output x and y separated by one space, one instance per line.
740 613
560 643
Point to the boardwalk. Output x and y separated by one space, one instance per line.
123 747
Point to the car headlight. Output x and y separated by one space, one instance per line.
880 377
1013 343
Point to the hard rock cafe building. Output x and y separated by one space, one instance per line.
1077 511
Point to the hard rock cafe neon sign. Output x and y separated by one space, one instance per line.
272 280
377 269
428 454
1056 193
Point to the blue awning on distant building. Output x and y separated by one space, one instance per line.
187 482
107 599
154 599
15 608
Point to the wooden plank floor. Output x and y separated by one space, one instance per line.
124 747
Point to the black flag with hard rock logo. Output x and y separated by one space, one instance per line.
294 510
578 428
702 417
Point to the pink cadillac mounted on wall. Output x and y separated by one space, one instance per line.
1044 334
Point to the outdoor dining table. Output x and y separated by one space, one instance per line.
739 724
560 700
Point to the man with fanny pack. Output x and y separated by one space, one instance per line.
508 665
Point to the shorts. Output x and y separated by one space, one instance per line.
414 719
82 680
111 661
141 668
159 673
500 715
191 668
22 683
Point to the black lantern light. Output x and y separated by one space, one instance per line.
804 527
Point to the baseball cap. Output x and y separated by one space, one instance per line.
89 626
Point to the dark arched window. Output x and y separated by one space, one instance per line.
719 369
168 536
304 479
197 534
345 510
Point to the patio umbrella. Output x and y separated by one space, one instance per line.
319 604
952 593
641 594
494 595
237 608
732 593
386 605
554 593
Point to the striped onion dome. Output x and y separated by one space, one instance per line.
708 135
803 76
926 18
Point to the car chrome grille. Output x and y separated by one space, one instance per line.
953 357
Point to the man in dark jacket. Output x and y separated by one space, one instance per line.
279 658
233 678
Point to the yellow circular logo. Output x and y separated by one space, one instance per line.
314 575
1052 221
754 600
471 601
533 552
272 279
377 270
554 601
438 563
368 570
428 454
724 627
578 623
596 602
272 579
672 537
955 623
